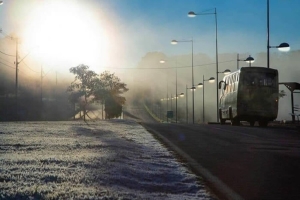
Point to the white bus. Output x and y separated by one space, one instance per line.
249 94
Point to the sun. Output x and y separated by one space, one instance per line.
65 32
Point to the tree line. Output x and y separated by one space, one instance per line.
89 87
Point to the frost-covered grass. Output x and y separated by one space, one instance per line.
115 159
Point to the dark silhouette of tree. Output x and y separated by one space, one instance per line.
83 84
74 98
109 90
113 109
88 87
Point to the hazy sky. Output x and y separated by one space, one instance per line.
118 33
115 34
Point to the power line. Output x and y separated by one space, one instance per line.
7 54
6 35
7 65
29 67
168 67
6 60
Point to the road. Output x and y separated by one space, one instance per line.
253 162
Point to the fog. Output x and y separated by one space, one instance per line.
131 44
153 81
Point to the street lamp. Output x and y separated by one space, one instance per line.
193 14
249 60
186 105
1 2
176 97
201 85
282 47
186 101
167 106
174 42
180 95
162 101
225 72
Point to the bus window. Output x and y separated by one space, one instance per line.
259 80
269 82
247 80
222 90
233 82
228 85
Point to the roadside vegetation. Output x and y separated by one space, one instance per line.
89 87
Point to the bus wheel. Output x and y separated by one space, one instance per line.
230 113
263 123
252 123
235 122
222 121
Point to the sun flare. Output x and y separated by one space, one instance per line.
67 33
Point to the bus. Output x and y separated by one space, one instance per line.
249 94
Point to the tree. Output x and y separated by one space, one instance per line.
74 98
83 85
88 87
109 90
112 108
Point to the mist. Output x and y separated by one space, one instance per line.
152 81
132 45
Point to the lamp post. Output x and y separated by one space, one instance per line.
186 105
166 99
249 60
174 42
186 100
161 101
181 94
167 106
282 47
177 96
201 85
225 72
193 14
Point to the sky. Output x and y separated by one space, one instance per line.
115 159
118 33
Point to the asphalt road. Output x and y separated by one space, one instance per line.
253 162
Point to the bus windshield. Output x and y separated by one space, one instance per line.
260 79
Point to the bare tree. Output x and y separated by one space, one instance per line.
83 84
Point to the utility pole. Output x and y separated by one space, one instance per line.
41 90
17 72
55 86
41 84
16 89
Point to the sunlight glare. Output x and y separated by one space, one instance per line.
67 33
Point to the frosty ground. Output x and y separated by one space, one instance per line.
115 159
